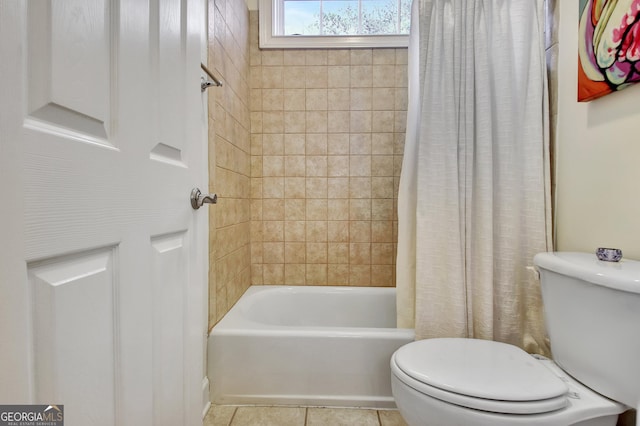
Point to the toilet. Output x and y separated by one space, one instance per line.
592 312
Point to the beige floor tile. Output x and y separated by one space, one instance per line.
269 416
391 418
219 415
341 417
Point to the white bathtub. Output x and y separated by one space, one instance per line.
317 346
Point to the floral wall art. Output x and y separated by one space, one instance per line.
609 47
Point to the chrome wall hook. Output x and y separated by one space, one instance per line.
198 199
205 84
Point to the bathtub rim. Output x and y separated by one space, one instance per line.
234 322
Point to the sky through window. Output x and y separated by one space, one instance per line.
346 17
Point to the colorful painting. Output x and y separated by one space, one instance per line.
609 47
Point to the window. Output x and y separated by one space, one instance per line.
334 23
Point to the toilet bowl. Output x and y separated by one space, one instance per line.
593 378
449 382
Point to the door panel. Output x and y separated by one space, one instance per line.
75 342
167 45
69 55
169 255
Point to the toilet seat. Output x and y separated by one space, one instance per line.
479 374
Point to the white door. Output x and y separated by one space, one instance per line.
102 259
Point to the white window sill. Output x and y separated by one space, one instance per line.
268 41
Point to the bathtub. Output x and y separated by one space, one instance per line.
312 346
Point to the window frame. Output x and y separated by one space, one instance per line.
269 19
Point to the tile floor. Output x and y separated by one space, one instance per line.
229 415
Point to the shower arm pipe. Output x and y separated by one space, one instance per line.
210 74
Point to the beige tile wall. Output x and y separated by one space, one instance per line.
229 156
327 135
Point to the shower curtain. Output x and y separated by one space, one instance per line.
474 196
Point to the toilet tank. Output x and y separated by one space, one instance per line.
592 313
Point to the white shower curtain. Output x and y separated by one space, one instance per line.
474 199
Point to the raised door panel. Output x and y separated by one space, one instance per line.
169 278
168 39
70 53
75 335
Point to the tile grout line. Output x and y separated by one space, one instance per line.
379 419
306 415
235 410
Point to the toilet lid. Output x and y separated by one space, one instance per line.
481 369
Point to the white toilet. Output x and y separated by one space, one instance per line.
592 312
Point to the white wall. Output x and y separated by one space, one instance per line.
252 4
598 158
